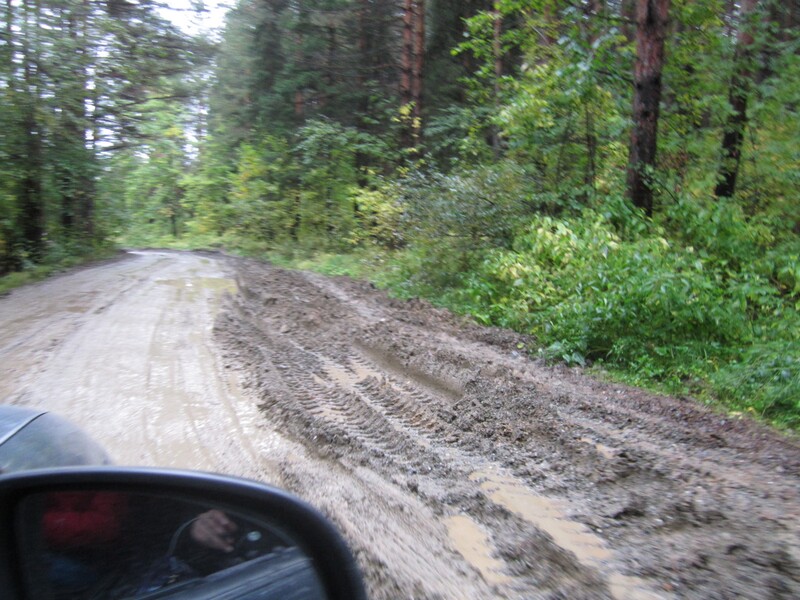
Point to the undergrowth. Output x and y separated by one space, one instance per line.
55 261
711 312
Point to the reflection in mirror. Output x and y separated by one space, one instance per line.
107 545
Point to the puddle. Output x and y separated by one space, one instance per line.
215 284
547 514
341 376
602 449
550 516
452 390
474 545
192 289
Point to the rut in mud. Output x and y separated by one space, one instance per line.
458 468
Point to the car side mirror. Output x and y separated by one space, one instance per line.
107 533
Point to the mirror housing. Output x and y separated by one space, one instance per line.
317 540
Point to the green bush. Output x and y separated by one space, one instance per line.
703 318
765 381
577 283
451 220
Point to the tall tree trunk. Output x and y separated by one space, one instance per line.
412 64
31 197
651 32
75 170
363 76
596 10
497 50
417 71
69 129
364 58
330 60
31 200
86 206
591 149
737 96
406 61
299 39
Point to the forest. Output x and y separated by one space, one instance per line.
618 179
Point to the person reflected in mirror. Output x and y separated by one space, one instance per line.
80 529
215 530
217 540
197 547
103 545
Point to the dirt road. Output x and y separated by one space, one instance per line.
125 349
455 466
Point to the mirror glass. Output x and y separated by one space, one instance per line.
102 544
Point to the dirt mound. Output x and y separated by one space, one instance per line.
459 468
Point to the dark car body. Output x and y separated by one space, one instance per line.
36 439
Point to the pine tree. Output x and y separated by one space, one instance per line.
651 32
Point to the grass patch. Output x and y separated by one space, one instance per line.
34 273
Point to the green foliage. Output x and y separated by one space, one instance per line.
258 202
451 220
511 207
765 380
703 308
327 162
379 215
206 196
78 84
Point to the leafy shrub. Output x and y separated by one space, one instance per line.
648 305
451 220
379 214
765 380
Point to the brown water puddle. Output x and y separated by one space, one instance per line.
602 449
473 544
193 287
550 516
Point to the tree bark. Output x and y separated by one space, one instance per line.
406 60
31 198
407 52
412 65
737 97
497 50
418 63
651 31
299 39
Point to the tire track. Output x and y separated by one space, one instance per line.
365 408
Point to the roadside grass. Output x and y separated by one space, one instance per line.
34 273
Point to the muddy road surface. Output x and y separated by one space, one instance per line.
456 467
125 349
